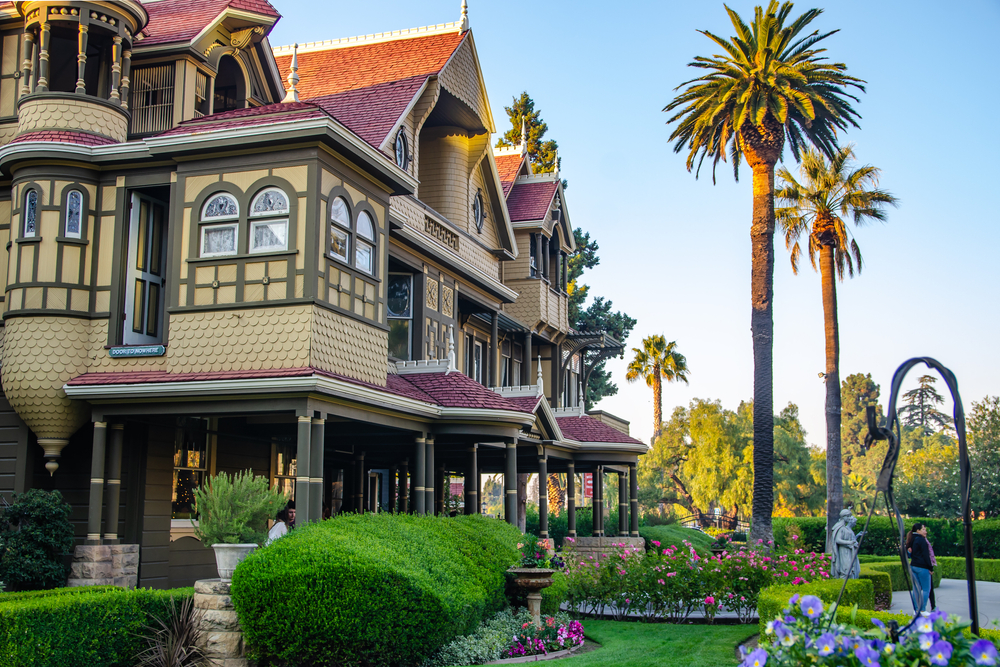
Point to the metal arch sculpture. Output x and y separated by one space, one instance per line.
891 433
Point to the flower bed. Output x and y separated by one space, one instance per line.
551 637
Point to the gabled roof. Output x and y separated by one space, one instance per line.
372 113
336 66
507 167
587 429
182 20
530 200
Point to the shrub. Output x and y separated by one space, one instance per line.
954 568
897 575
673 535
372 589
175 641
35 532
774 599
235 509
83 629
555 595
49 592
882 584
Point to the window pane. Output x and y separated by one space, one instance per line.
269 202
138 305
30 213
399 339
221 206
339 212
155 240
269 236
399 299
153 312
140 254
219 240
338 243
363 257
366 229
74 208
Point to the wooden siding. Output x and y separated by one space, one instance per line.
154 558
13 450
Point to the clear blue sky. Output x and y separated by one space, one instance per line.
675 251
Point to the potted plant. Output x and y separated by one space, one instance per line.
233 511
534 572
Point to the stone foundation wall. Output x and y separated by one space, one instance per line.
221 635
106 565
602 546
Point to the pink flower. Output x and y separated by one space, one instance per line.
795 537
661 582
669 574
709 600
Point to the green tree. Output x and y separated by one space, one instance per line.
544 153
599 316
655 362
816 211
919 409
769 85
584 258
927 477
857 392
984 452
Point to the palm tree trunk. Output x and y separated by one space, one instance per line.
762 328
834 460
657 403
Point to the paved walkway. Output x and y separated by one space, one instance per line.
953 597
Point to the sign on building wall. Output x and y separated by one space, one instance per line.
137 351
588 485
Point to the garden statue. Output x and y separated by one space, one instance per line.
844 561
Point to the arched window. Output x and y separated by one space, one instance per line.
74 214
30 213
364 247
340 229
269 221
230 86
479 211
219 239
402 150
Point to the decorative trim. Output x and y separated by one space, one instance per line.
378 37
441 233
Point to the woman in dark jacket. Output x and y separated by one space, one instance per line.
920 563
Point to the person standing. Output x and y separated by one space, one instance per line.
921 564
285 519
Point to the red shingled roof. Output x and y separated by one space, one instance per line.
588 429
152 377
457 390
337 70
507 167
371 113
82 138
525 403
530 201
265 115
182 20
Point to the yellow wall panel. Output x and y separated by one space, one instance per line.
300 235
32 297
329 182
356 195
226 294
227 273
244 179
193 185
55 298
204 275
4 257
27 260
253 292
299 286
70 263
14 299
297 176
276 291
45 187
79 299
253 270
345 300
88 253
49 224
359 307
186 236
182 294
204 296
108 197
102 301
107 244
277 269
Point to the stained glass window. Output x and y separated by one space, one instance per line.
399 304
220 206
269 202
30 212
74 209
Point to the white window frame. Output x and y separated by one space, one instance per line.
361 241
215 195
254 223
344 228
270 214
79 232
235 225
24 215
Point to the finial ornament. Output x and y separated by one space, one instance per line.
538 383
451 350
293 77
524 135
581 400
465 16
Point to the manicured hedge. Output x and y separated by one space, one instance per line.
947 535
775 598
79 628
896 574
554 596
49 592
675 535
954 568
373 589
882 584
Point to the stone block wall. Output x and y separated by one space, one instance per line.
220 629
106 565
596 547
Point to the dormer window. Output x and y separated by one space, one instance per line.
402 150
479 211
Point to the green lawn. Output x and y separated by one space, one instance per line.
660 645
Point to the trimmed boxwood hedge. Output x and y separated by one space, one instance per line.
675 535
372 589
896 574
77 627
947 535
775 598
954 568
882 584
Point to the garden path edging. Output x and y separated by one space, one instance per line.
536 658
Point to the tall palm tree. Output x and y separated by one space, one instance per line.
769 84
658 360
815 210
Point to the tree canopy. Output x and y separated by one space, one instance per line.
919 409
543 152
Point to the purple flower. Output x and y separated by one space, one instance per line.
826 644
757 658
867 656
794 598
925 624
940 653
984 652
879 624
811 606
927 639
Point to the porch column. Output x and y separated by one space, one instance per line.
81 59
360 483
115 97
633 483
571 500
97 483
471 475
419 481
317 442
393 471
557 376
442 490
42 86
543 497
510 485
622 505
114 484
303 450
404 491
598 511
126 73
479 487
28 57
429 475
494 346
526 361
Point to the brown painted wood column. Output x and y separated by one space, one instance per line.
393 488
116 79
471 477
360 483
494 380
126 73
114 484
622 505
28 54
404 491
442 487
317 443
96 506
419 479
598 502
429 475
543 497
303 451
510 485
633 482
571 499
526 361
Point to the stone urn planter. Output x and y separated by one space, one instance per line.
228 556
533 580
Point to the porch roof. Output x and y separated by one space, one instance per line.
587 429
